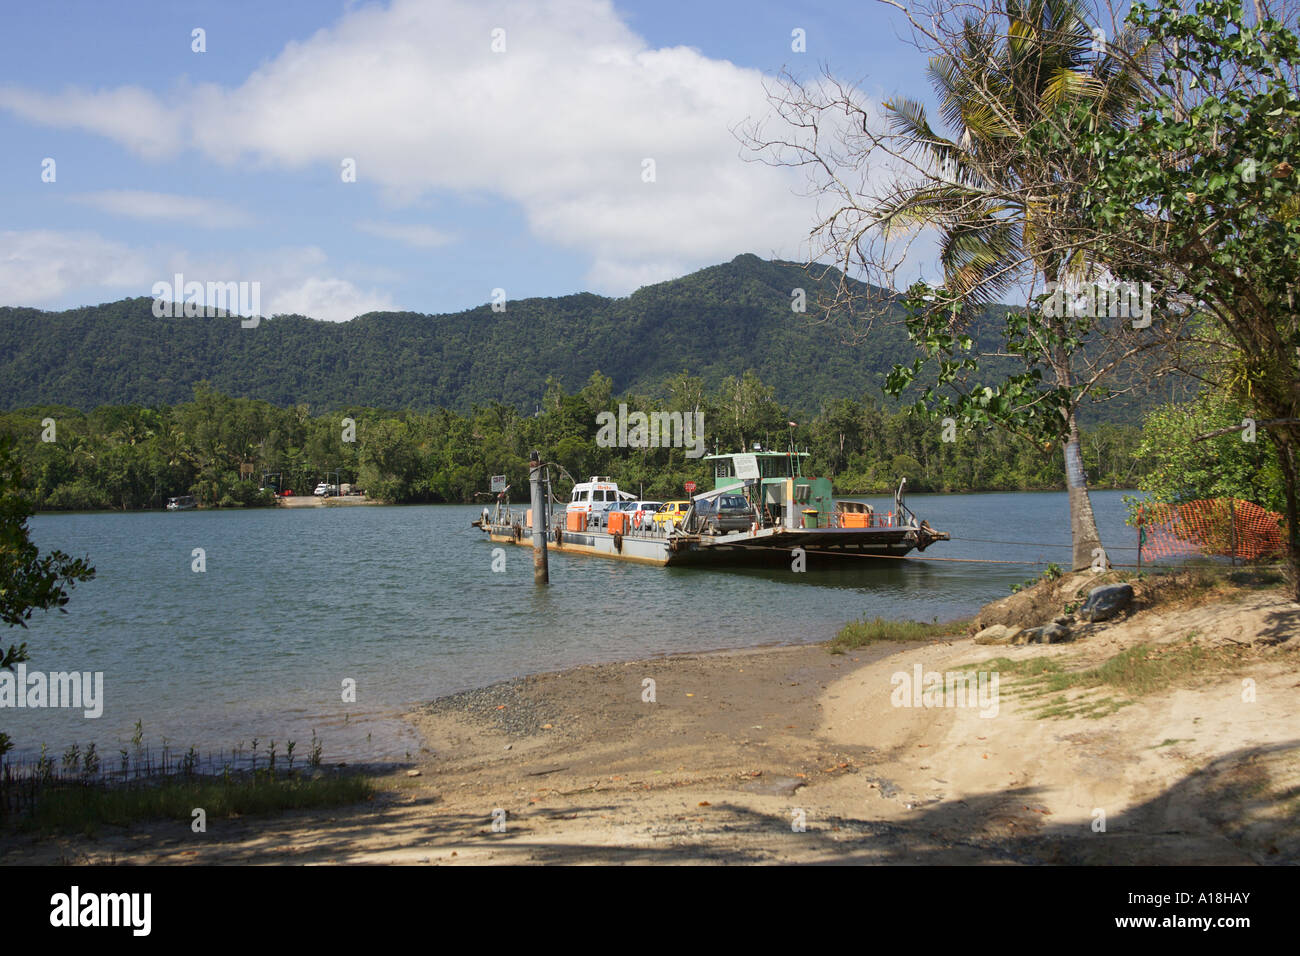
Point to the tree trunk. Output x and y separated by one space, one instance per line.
1286 458
1083 524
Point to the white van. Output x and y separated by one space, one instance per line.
595 497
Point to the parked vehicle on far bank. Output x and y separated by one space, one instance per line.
324 490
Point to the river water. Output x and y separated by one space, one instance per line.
404 601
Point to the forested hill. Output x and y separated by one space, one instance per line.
714 323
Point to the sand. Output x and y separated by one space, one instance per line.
793 754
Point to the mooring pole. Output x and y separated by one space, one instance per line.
541 573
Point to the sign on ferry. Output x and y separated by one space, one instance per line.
498 483
746 466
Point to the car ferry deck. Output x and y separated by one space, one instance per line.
790 513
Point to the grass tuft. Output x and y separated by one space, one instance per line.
83 808
1132 673
862 632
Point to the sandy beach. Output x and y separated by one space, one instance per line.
794 754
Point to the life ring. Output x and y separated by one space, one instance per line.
618 541
638 518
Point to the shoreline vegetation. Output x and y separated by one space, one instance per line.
373 502
87 789
227 451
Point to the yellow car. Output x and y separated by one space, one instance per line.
673 511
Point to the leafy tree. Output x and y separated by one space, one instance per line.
1201 194
995 196
29 581
1186 469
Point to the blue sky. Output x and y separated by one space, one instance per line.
521 169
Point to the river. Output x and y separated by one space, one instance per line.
404 601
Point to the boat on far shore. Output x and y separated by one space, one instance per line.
182 503
788 512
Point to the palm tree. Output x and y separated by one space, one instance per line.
1001 199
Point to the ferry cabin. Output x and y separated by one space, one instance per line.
775 482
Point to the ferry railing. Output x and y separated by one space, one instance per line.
905 516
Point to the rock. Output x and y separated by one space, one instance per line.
996 634
1065 619
1034 605
1056 633
1030 636
412 773
509 746
1106 601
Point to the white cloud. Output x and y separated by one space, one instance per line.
422 237
128 114
51 269
39 266
167 207
334 300
559 123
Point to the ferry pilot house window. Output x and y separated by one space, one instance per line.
722 469
801 493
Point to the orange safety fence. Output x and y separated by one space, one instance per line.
1224 527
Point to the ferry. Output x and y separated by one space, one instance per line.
788 511
182 503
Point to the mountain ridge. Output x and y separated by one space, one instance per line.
714 323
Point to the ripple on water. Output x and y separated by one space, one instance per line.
404 601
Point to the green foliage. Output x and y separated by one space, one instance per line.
29 581
862 633
128 457
1222 467
1057 689
1201 193
76 807
998 214
716 322
1051 573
